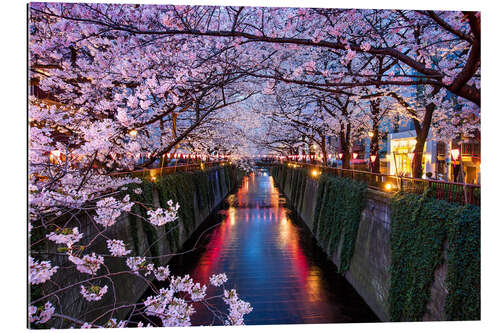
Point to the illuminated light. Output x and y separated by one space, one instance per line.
373 158
56 153
355 155
388 186
329 155
153 178
411 156
315 173
168 155
455 154
341 155
133 133
370 134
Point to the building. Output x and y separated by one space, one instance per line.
440 160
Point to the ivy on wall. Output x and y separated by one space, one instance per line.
339 204
179 187
464 265
419 228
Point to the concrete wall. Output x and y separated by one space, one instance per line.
129 288
369 269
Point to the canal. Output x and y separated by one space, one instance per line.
271 259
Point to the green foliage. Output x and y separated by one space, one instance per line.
419 228
339 204
179 187
342 203
464 265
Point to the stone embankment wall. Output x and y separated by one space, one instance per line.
353 226
197 192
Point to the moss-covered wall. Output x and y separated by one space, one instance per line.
410 257
198 193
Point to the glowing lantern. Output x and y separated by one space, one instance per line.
340 155
388 186
133 133
373 158
315 173
354 155
455 154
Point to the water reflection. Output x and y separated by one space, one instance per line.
272 261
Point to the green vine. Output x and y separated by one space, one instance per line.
419 229
464 265
178 187
339 204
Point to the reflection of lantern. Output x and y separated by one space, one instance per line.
373 158
455 154
355 155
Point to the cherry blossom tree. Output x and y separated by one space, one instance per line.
117 87
103 99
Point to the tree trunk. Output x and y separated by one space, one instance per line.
374 150
345 145
422 133
323 150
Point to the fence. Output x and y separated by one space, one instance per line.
460 193
158 172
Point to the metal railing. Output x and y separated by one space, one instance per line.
158 172
460 193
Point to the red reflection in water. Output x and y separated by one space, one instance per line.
262 252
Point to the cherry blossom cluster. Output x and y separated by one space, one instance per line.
162 216
237 308
117 247
89 264
39 272
65 236
218 280
40 315
93 293
109 209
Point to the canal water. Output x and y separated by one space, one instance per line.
271 259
